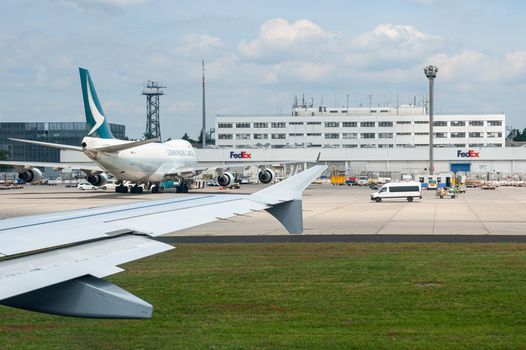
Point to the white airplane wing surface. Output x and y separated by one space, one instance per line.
54 263
21 165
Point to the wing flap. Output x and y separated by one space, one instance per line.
99 259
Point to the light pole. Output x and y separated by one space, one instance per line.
431 73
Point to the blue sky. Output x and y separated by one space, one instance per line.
259 55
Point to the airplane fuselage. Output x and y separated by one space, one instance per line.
145 163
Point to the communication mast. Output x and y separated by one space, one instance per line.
152 92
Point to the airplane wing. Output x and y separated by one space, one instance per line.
20 165
124 146
49 144
55 263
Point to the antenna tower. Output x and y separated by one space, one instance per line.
152 92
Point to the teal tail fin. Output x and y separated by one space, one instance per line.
95 118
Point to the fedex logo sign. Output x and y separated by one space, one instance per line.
469 154
240 155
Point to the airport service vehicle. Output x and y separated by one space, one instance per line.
432 183
407 190
244 180
212 183
338 180
363 180
56 263
146 162
351 181
86 186
109 185
384 180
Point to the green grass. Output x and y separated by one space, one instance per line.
304 296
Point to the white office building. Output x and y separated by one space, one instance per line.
403 127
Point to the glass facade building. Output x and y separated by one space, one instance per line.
68 133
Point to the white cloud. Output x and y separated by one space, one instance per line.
389 45
402 36
278 37
473 66
201 44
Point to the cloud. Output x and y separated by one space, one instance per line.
198 44
396 35
473 66
278 39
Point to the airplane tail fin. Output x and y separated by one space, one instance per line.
95 117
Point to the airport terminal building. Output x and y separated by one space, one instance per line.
69 133
403 127
369 140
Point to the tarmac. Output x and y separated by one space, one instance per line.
341 212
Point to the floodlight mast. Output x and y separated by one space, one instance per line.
431 73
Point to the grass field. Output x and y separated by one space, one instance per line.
305 296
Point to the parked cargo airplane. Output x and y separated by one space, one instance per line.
139 162
55 263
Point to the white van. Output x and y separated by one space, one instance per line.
408 190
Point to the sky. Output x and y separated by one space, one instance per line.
259 55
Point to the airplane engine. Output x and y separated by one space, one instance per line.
98 180
267 176
30 175
225 179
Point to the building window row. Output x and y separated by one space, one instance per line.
385 135
365 124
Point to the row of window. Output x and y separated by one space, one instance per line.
367 124
384 135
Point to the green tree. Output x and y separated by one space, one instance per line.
520 136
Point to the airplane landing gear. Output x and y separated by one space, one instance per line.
136 189
121 189
157 188
182 188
